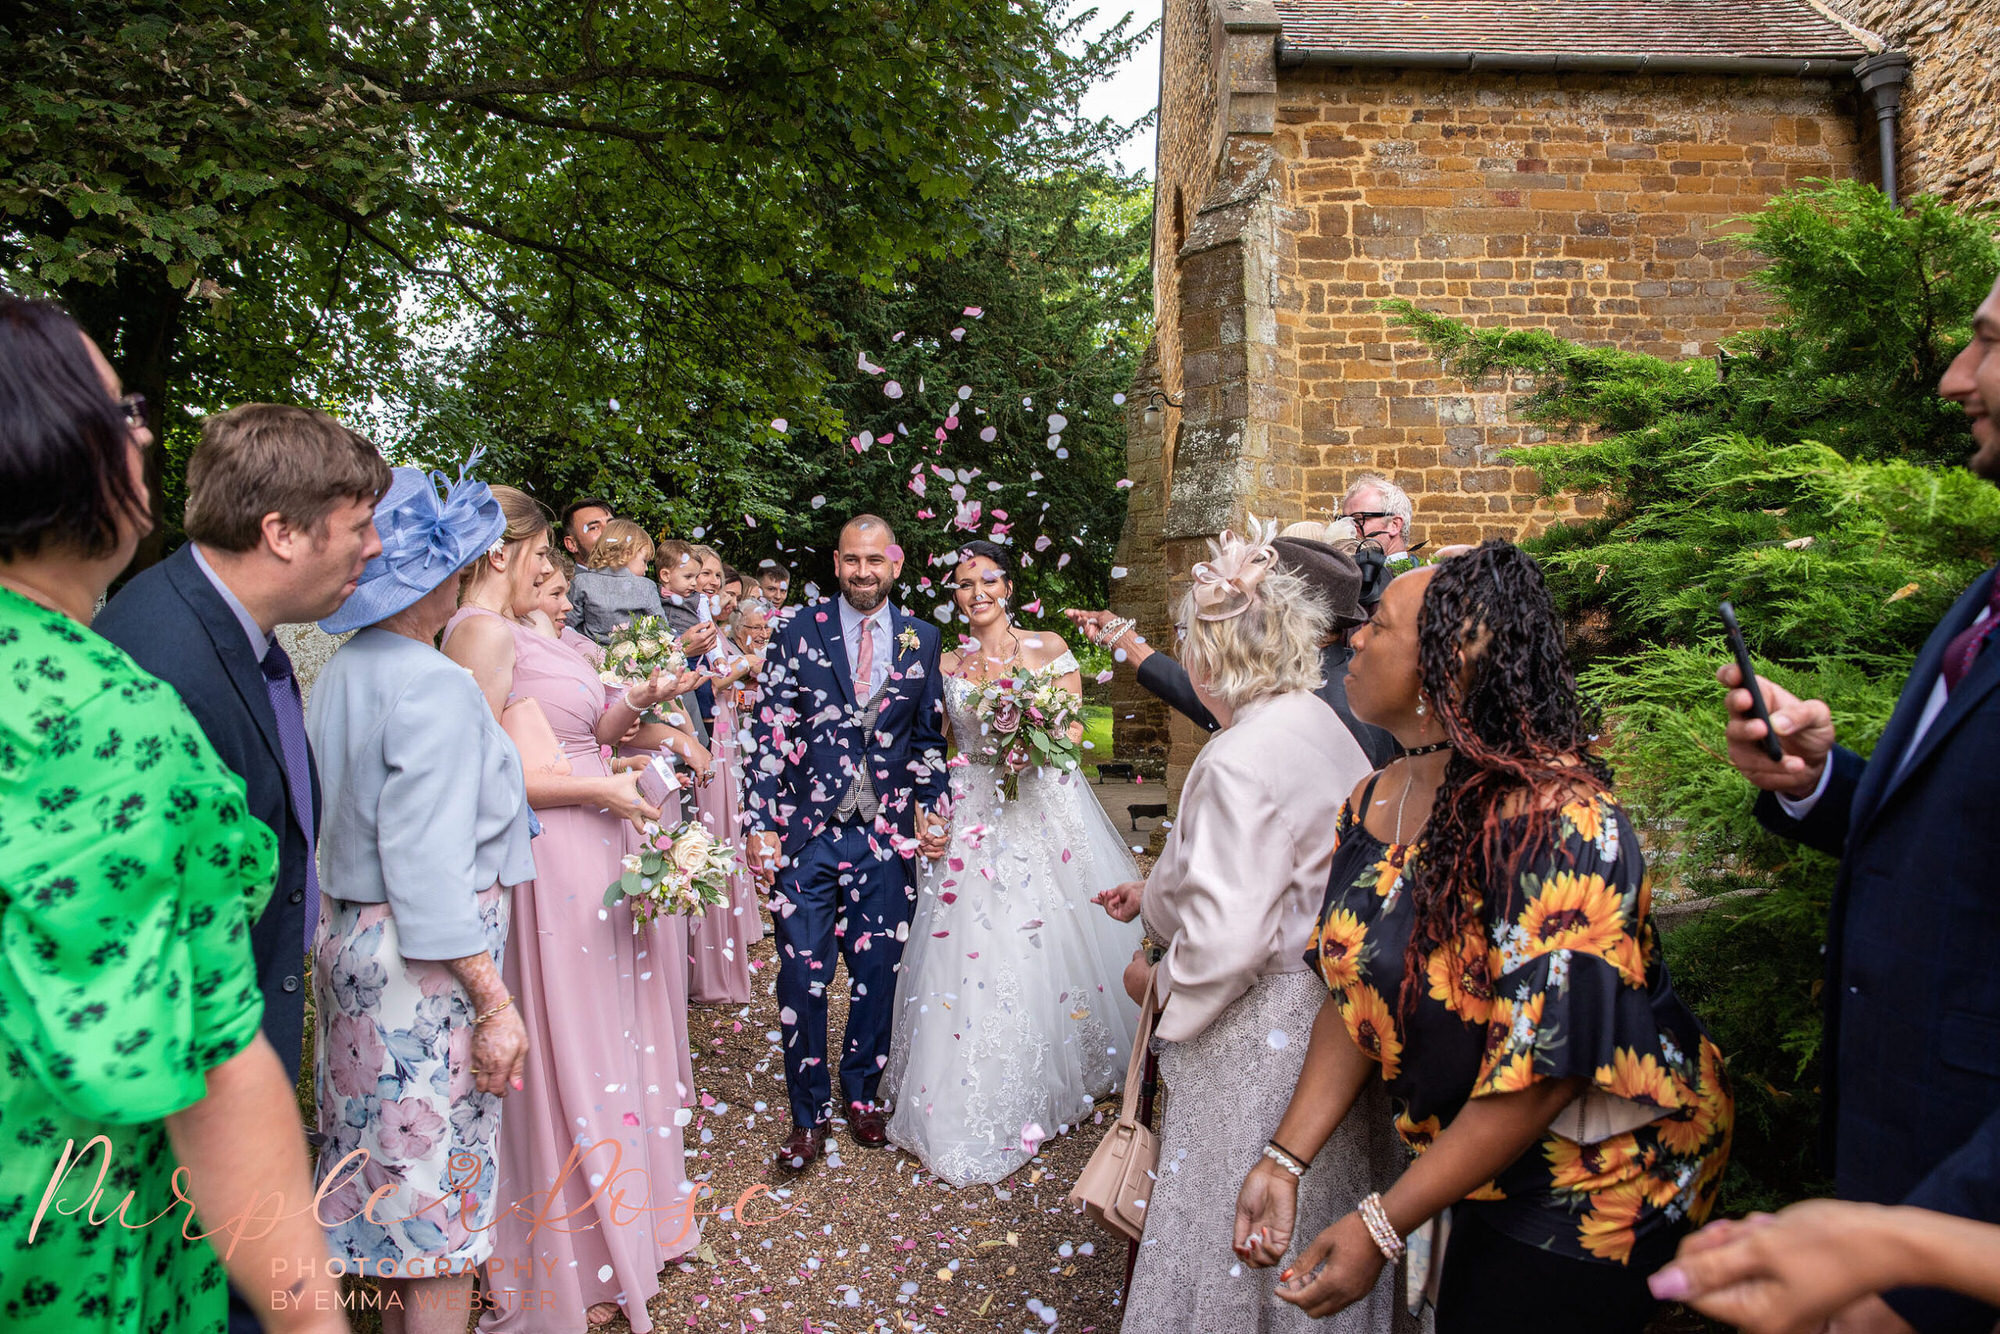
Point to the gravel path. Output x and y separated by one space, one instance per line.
865 1239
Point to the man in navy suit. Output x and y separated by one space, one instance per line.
1911 1054
281 517
845 780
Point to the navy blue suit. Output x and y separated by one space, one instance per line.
1911 1054
176 626
842 886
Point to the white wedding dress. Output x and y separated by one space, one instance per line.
1011 1017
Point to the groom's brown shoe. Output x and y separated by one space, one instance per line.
801 1147
865 1123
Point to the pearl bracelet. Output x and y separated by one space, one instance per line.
1376 1219
1285 1160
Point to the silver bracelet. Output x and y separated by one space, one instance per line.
1284 1160
1113 631
1376 1219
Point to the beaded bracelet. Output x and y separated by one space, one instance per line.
482 1018
1376 1218
1284 1160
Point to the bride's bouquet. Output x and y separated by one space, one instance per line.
1025 720
679 873
640 647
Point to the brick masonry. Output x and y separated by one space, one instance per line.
1599 207
1290 200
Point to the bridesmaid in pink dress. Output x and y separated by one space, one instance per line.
592 1143
552 606
720 973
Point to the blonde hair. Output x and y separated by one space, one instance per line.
707 553
525 516
674 553
1272 648
619 543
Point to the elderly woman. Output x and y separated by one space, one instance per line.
1232 900
425 830
130 871
1488 953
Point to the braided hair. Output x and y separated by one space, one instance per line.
1490 656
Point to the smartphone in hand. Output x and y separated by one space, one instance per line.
1757 706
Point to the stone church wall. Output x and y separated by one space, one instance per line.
1599 207
1951 104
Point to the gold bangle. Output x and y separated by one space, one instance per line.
482 1018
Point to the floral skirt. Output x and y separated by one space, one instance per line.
397 1098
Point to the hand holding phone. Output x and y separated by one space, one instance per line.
1757 705
1779 742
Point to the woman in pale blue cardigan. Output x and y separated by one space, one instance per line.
424 830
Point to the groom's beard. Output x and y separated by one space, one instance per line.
865 598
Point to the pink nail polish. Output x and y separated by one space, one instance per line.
1671 1284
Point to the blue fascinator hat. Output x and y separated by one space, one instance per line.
430 529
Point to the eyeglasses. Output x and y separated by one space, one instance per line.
1362 516
134 408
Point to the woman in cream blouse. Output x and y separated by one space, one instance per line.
1233 900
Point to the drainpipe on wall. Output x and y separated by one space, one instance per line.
1882 77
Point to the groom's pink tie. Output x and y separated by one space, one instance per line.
864 661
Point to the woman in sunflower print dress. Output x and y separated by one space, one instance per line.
1489 953
130 871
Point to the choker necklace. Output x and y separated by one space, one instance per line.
1431 749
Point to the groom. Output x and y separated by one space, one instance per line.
848 775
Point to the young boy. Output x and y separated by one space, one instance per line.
776 581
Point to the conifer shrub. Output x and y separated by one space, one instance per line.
1810 475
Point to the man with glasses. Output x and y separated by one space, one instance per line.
1381 512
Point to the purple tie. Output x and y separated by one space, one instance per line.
1963 650
283 688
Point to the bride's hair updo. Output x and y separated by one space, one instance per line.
992 551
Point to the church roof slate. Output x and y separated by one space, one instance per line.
1670 30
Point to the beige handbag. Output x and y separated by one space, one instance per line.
528 728
1116 1183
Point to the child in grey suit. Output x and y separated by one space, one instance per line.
614 588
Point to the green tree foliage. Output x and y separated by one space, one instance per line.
325 200
1808 477
1041 314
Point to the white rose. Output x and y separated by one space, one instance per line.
631 861
691 850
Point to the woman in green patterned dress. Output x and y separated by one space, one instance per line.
129 873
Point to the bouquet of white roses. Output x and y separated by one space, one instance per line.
1026 721
678 873
640 647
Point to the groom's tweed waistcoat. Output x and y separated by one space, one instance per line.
861 799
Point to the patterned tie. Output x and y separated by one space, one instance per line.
1963 650
864 662
283 687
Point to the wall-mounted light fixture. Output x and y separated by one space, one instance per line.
1159 403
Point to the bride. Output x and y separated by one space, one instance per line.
1011 1017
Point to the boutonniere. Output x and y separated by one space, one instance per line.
907 641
